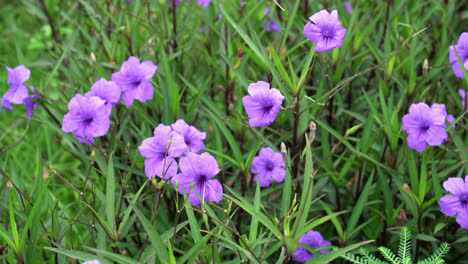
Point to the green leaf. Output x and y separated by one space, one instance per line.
110 194
334 254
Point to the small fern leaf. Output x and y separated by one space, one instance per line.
389 255
407 261
355 259
404 250
370 258
438 255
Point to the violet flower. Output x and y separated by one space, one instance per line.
193 138
87 118
325 30
348 7
94 261
160 151
203 3
462 94
462 50
263 104
30 104
16 78
268 23
268 165
5 104
108 91
313 239
199 171
425 125
456 203
134 80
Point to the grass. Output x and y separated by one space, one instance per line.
356 182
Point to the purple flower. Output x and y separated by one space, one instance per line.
30 104
134 80
95 261
220 16
263 104
325 30
199 169
87 118
6 104
192 137
269 26
266 10
462 50
462 94
16 78
160 151
203 3
425 125
242 4
268 165
457 202
108 91
313 239
348 7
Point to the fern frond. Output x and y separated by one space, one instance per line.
404 250
355 259
370 258
438 255
407 261
389 255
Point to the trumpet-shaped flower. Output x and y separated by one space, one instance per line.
313 239
268 165
160 151
87 118
198 171
263 104
462 50
325 30
456 203
134 80
193 138
16 78
108 91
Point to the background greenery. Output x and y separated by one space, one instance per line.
366 182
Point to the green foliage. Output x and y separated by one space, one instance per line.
404 253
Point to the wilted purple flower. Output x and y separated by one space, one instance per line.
87 118
313 239
108 91
204 3
348 7
462 50
263 104
95 261
199 169
16 78
30 104
462 94
325 30
457 202
268 165
192 137
242 4
160 151
269 26
425 125
134 80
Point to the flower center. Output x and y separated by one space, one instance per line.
267 108
425 128
87 121
269 166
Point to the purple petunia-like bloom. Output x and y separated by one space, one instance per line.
87 118
263 104
268 23
134 80
5 104
108 91
193 138
457 202
426 125
203 3
268 165
348 7
462 50
462 94
313 239
325 30
94 261
199 170
160 151
17 91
